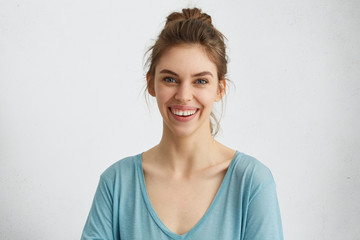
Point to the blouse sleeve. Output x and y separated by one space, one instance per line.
263 218
99 222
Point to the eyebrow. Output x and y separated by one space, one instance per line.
200 74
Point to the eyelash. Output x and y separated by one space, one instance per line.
202 80
167 78
173 80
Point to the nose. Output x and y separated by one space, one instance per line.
184 93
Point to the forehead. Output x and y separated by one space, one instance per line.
186 59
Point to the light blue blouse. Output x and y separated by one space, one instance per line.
244 208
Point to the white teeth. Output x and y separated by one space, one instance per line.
183 113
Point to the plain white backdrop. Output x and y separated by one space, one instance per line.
71 104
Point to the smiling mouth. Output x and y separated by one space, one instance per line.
183 113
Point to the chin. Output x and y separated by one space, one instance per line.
186 131
183 134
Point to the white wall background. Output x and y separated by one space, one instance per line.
71 104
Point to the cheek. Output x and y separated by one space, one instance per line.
206 97
162 96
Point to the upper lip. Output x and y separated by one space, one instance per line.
183 108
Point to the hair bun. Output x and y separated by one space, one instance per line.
189 13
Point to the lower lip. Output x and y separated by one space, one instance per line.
184 118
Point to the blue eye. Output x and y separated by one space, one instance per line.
201 81
169 80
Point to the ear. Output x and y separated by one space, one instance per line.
221 89
150 85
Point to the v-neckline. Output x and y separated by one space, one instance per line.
156 218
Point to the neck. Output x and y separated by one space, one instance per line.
183 155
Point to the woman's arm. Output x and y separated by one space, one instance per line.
263 218
99 222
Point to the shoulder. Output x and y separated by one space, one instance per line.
121 168
253 171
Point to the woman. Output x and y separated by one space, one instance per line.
189 186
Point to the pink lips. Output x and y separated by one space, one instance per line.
183 108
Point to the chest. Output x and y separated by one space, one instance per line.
180 204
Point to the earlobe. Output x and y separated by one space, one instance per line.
221 90
150 85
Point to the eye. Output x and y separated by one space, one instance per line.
201 81
169 80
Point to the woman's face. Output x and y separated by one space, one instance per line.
186 86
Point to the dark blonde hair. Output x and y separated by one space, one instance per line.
191 26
